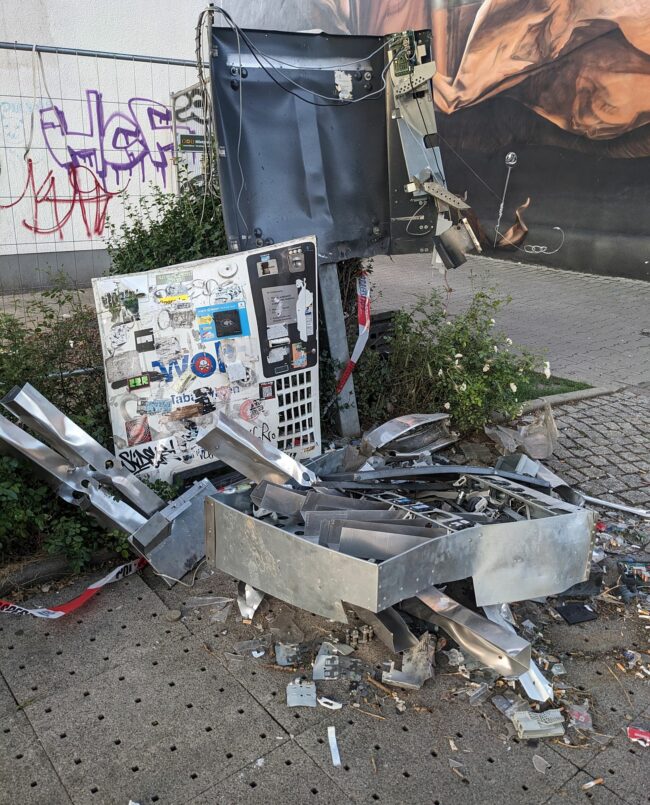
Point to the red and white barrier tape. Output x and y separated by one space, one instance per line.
363 317
64 609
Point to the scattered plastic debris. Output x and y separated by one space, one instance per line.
301 693
576 613
334 747
541 764
639 733
330 704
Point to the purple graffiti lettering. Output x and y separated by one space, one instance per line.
112 144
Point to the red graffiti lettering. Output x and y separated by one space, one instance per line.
90 200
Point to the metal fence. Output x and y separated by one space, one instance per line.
82 134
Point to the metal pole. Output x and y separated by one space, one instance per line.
97 54
332 307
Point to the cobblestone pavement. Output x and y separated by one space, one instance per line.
604 447
590 325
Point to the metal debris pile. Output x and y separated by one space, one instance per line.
380 532
388 540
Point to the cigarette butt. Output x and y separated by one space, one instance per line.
592 783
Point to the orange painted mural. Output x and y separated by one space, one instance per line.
563 83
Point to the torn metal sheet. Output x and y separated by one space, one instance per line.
507 561
80 449
301 693
333 666
315 519
256 459
378 541
408 434
278 499
248 600
534 683
75 485
321 501
284 565
425 473
416 666
389 627
287 654
496 647
172 540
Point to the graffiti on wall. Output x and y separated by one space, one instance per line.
68 171
113 144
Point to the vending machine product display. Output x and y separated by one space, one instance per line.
237 334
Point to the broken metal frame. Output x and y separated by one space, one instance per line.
507 561
84 473
79 448
254 458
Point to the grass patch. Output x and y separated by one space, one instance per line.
537 385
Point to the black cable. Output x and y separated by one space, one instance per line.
253 49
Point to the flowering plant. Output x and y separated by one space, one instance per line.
462 364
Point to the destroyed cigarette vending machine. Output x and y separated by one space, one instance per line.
235 334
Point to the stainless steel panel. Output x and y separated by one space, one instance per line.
256 459
488 642
284 565
71 441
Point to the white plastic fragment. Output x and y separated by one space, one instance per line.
301 693
334 747
330 704
541 764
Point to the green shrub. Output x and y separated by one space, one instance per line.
58 350
163 229
460 364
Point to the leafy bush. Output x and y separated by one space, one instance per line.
162 229
58 351
459 364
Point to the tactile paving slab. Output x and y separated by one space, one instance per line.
406 758
571 792
124 620
285 775
161 728
624 766
26 774
7 701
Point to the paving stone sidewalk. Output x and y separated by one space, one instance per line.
591 325
604 447
118 702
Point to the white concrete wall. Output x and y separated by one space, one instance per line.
91 127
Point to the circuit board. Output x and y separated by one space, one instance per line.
404 45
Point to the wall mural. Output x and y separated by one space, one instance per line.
563 83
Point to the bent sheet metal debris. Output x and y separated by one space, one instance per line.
382 540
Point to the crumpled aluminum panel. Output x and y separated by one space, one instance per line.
410 432
253 457
508 562
172 539
281 564
488 642
72 442
75 485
